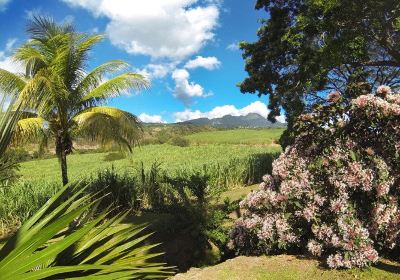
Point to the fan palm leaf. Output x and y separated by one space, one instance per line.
47 246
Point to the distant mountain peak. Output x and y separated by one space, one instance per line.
251 120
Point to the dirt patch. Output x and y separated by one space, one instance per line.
286 267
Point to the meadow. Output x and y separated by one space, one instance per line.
266 137
171 158
226 166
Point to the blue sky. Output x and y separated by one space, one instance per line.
187 48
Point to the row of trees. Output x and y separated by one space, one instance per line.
60 99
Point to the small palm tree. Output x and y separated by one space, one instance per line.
64 100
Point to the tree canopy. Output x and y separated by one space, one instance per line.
308 48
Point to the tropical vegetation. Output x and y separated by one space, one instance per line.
332 194
64 239
307 48
61 98
335 191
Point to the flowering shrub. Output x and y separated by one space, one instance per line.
335 192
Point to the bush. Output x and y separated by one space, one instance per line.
335 191
184 197
120 189
180 141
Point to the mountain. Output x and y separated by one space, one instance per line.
252 120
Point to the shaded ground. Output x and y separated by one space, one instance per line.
286 267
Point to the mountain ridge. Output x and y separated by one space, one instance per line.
251 120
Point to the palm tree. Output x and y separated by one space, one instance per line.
64 239
64 100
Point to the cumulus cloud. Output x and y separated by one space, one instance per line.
174 29
220 111
185 90
157 71
209 63
151 118
3 4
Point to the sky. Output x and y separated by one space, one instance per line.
188 49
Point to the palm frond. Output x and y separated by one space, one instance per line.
10 83
29 129
77 55
31 57
90 250
108 124
43 92
94 78
42 27
86 43
115 87
8 121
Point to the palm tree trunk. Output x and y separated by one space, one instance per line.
64 174
62 157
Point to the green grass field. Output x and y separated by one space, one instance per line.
171 158
225 164
237 136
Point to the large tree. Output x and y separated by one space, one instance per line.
307 48
62 97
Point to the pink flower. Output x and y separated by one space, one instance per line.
384 90
314 248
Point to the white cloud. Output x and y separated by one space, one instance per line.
8 63
151 118
209 63
3 4
6 60
281 119
174 29
220 111
233 47
157 71
185 90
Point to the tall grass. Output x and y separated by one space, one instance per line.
137 187
20 201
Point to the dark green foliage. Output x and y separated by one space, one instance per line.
185 199
307 48
64 239
120 189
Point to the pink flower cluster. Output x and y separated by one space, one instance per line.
334 194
